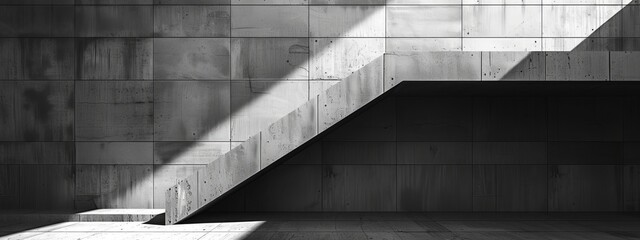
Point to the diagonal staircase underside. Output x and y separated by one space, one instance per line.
335 104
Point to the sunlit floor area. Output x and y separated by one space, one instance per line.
600 226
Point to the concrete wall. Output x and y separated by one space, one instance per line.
106 103
488 153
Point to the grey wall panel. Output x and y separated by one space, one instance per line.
191 58
339 58
585 119
300 183
114 21
37 111
114 153
529 66
424 21
510 153
114 2
584 188
631 188
37 58
114 111
40 2
191 110
126 186
577 66
338 2
434 119
40 21
405 45
510 119
269 58
257 104
521 188
499 44
359 153
165 176
194 2
9 186
484 188
585 153
269 2
435 188
524 21
434 152
188 152
37 152
441 66
359 188
581 21
269 21
347 21
46 187
631 24
192 21
115 58
623 66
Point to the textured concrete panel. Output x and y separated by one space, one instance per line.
257 104
9 189
188 152
502 44
591 44
320 86
484 188
288 133
424 21
114 2
338 2
585 188
46 187
270 58
358 153
188 110
338 58
353 188
87 183
510 119
436 119
631 153
114 111
191 58
581 21
36 21
114 21
632 188
269 2
36 152
585 119
501 66
435 188
510 153
269 21
577 66
421 2
631 23
490 21
114 153
301 184
192 21
115 58
166 176
39 2
434 152
309 155
182 199
406 45
347 21
521 188
349 95
126 186
194 2
37 58
623 66
377 123
585 153
228 171
432 66
36 111
511 2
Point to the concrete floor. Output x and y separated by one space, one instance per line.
600 226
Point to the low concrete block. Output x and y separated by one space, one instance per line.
182 200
